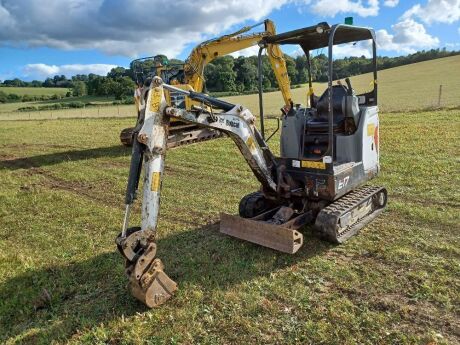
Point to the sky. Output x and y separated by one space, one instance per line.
40 39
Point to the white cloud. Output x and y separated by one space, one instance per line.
391 3
330 8
349 49
442 11
41 70
250 51
409 36
452 46
125 27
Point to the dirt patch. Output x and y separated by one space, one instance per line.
13 162
24 145
88 190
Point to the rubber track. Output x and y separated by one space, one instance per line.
327 221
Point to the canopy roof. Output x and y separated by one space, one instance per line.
317 36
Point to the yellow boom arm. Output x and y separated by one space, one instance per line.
207 51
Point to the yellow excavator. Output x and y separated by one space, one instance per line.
190 77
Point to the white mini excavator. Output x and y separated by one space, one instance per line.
329 150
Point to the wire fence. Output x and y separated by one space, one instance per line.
417 97
85 112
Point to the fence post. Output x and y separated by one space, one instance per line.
118 110
439 96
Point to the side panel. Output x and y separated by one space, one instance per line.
291 134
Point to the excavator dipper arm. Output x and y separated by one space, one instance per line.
147 280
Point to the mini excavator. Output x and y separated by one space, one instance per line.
329 151
189 76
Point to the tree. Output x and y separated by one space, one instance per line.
14 82
291 69
301 67
246 74
117 72
79 89
48 82
36 83
122 87
220 75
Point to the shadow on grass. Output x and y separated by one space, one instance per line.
86 293
58 157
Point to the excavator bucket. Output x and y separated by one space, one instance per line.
282 237
154 287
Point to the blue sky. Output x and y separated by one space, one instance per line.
81 36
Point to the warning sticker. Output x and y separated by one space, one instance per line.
295 164
313 165
251 144
155 187
155 99
370 129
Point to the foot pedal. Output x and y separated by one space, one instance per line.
278 237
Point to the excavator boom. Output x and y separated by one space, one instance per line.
207 51
201 55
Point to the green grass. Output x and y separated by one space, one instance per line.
61 206
35 91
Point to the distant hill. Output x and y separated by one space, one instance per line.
408 87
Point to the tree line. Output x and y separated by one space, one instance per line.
227 74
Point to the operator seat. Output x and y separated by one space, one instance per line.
319 123
317 127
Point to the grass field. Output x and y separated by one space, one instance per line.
397 282
9 110
35 91
409 87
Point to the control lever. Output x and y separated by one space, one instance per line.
351 92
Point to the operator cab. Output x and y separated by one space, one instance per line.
337 132
337 112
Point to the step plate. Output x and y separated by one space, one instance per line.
259 232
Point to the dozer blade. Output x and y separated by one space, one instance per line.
262 233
